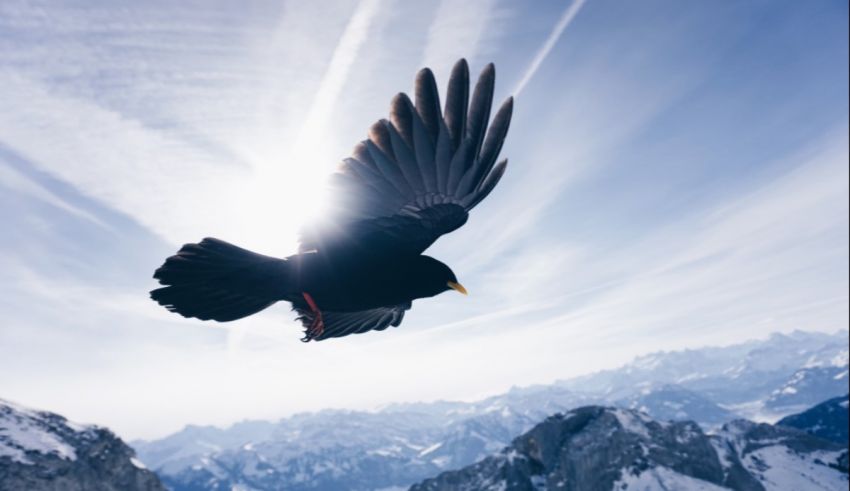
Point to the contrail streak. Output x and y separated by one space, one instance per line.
563 23
343 58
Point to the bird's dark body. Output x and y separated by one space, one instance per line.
414 179
358 282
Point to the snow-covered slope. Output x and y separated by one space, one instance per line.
44 451
782 458
599 448
402 443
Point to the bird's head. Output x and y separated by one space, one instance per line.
433 277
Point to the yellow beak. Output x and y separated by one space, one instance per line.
457 287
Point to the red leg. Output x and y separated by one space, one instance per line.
317 327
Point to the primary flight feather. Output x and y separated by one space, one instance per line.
415 178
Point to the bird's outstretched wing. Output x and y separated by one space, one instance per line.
339 324
417 175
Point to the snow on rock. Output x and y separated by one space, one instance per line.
431 449
632 421
781 458
24 430
662 478
41 451
138 463
780 468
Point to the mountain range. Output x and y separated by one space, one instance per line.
401 444
588 448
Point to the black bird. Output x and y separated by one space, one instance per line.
414 179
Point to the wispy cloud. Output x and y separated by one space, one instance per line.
740 266
459 30
120 161
14 180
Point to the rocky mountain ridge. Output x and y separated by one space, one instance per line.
827 420
42 451
597 448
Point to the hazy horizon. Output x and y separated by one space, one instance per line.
555 379
678 177
483 397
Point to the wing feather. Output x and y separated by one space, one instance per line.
428 102
424 149
479 108
401 117
488 185
361 154
389 169
406 161
393 198
461 161
379 135
443 158
340 324
493 142
457 100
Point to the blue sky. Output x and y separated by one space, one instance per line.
678 177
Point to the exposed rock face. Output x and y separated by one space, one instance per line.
602 449
42 451
827 420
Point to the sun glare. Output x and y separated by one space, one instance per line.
287 190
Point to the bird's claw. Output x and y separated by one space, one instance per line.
317 327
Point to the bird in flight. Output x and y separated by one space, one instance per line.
415 178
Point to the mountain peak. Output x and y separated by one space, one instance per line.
596 447
25 431
43 450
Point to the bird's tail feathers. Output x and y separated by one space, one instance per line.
215 280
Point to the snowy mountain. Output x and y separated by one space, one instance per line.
603 448
674 402
400 444
827 420
44 451
761 380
